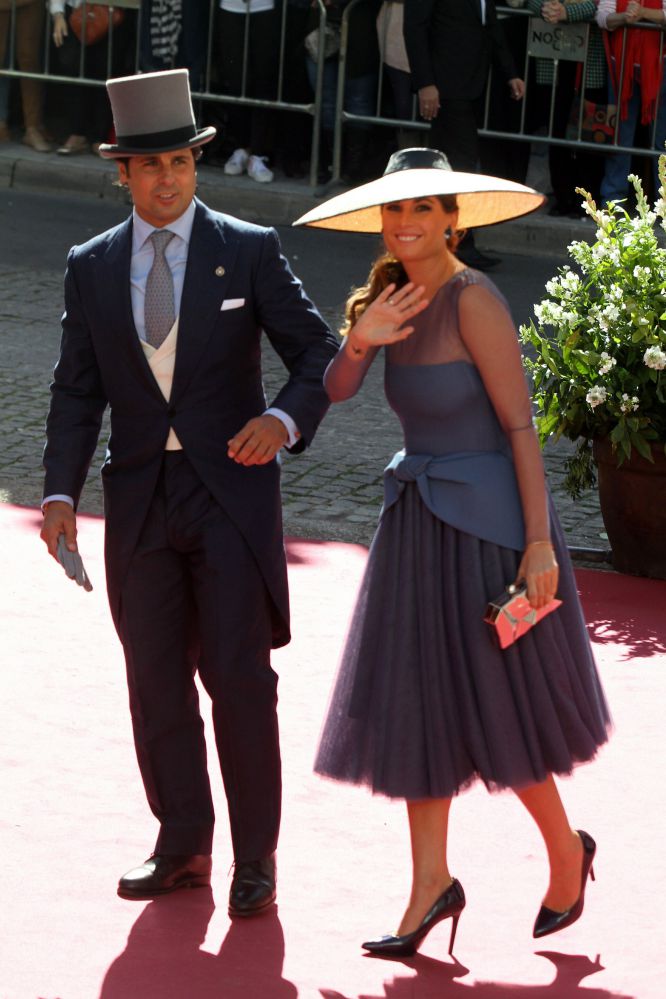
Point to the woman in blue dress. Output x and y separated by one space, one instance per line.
425 703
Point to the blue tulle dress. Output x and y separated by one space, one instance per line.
424 702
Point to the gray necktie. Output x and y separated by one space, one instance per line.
159 309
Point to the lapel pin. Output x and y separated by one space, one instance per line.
219 271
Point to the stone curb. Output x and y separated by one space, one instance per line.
277 203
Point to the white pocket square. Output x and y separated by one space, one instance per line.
232 303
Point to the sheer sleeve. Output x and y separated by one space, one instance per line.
437 338
344 375
489 335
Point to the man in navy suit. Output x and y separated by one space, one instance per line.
163 320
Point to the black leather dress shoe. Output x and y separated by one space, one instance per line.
163 873
252 887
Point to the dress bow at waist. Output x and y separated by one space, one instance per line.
474 491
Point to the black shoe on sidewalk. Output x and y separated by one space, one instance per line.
470 255
252 887
163 873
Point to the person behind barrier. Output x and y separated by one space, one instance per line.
451 47
395 66
425 703
642 89
28 21
253 128
85 109
360 84
173 36
163 321
570 167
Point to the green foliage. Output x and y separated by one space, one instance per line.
597 351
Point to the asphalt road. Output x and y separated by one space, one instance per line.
38 229
334 490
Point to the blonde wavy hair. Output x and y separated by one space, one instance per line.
387 270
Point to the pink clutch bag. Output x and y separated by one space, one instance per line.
511 615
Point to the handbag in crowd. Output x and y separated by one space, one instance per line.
99 17
511 615
598 122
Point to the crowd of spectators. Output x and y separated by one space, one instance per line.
424 61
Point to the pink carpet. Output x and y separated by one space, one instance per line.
74 818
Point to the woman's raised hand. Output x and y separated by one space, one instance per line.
383 320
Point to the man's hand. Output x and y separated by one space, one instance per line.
59 29
259 440
59 518
429 102
517 88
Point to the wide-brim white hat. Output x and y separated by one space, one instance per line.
152 113
420 173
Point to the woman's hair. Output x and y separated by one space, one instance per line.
387 270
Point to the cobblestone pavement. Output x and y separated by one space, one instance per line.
333 491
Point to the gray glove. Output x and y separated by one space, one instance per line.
72 564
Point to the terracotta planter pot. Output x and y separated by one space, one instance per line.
633 507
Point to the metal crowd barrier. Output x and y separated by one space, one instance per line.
557 43
46 74
311 107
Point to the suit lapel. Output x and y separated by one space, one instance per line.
209 264
117 260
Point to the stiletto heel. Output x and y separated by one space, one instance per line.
549 921
449 904
454 927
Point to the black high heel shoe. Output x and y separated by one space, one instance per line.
450 903
549 921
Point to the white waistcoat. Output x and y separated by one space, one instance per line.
162 362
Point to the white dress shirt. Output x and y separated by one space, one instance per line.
143 255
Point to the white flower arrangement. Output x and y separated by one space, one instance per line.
596 350
655 358
607 365
596 396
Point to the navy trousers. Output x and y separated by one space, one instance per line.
195 600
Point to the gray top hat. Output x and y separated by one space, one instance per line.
152 113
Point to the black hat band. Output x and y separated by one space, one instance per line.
158 140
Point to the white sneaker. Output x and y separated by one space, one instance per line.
257 170
237 163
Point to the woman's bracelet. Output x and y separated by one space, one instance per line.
533 544
515 430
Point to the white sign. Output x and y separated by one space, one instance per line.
556 41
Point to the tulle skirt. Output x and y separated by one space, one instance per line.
424 702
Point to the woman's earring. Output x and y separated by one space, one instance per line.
447 234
